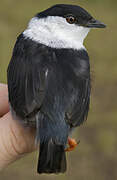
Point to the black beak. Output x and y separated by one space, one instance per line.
93 23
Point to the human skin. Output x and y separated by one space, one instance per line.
15 140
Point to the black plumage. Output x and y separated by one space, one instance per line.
68 80
62 10
49 88
59 101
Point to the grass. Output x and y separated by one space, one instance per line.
95 158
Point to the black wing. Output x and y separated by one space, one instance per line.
79 102
26 78
79 107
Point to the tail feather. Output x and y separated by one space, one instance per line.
52 158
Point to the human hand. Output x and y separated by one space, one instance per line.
15 140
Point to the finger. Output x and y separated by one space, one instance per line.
4 106
15 140
22 138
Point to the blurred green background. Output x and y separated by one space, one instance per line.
96 156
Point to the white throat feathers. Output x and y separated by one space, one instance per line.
56 32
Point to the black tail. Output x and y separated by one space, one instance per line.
52 158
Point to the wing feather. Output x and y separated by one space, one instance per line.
26 80
79 108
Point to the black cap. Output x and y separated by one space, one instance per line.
83 18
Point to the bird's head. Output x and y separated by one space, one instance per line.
62 26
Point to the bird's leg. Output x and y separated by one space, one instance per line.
72 144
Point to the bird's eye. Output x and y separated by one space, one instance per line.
70 19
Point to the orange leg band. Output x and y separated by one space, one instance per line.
72 144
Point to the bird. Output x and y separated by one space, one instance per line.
49 81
